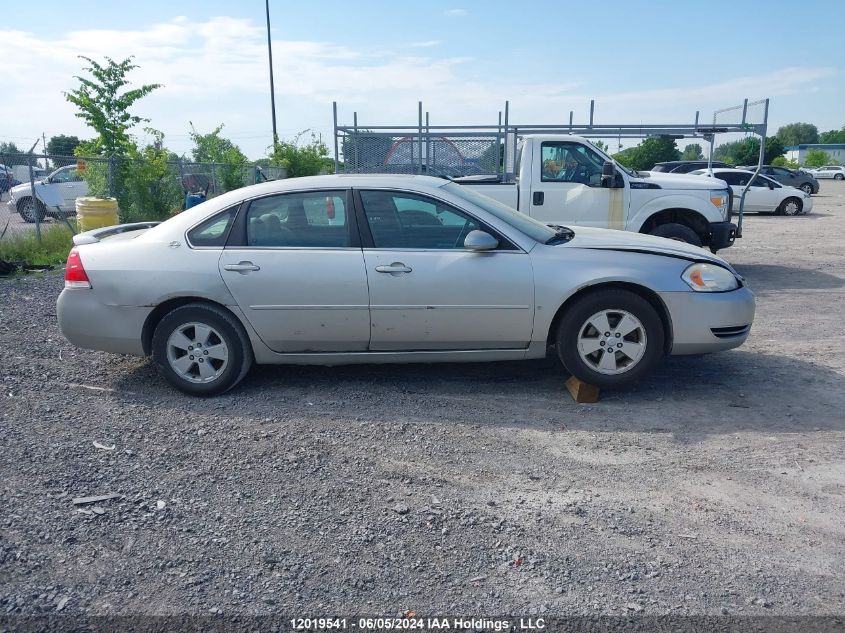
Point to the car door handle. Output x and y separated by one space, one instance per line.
538 198
242 267
395 268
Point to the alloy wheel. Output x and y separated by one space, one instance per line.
612 342
197 352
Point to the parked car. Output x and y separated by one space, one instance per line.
837 172
685 166
562 180
332 270
765 195
69 185
790 177
7 179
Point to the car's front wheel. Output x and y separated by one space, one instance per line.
201 349
839 177
807 188
610 338
31 210
790 206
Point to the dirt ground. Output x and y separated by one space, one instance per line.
715 487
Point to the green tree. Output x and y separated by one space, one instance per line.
798 133
783 161
747 151
655 149
9 147
151 189
833 136
215 148
692 152
104 104
62 145
301 159
602 146
817 158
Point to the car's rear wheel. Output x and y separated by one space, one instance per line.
201 349
30 210
790 206
675 231
807 188
610 338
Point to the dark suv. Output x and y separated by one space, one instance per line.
685 166
789 177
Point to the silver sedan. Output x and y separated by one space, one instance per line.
390 269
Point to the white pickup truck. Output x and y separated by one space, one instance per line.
563 179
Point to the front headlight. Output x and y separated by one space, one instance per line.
709 278
720 199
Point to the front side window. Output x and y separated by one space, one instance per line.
66 175
215 230
406 220
315 219
570 162
733 178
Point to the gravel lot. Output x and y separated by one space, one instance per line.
717 486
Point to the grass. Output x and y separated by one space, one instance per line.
53 248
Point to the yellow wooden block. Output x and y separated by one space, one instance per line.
581 391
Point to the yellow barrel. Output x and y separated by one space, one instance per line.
95 213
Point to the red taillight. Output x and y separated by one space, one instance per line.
75 275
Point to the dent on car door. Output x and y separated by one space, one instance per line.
294 265
427 291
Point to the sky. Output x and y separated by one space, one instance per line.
642 61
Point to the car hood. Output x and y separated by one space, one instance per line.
609 239
23 188
678 181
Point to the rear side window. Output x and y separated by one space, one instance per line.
215 230
315 219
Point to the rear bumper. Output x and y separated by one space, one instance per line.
722 235
88 323
709 321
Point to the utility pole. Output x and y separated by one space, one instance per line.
272 88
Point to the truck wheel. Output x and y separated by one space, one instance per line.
201 349
675 231
610 338
790 206
29 210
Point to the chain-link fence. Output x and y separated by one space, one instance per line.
144 189
436 154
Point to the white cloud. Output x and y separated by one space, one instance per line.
425 43
215 71
456 13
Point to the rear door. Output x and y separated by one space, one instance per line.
427 292
786 177
294 265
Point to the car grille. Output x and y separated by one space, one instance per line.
730 332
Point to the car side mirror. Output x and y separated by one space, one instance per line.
480 241
771 185
608 173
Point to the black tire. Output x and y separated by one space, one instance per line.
807 188
786 207
675 231
839 177
29 210
230 331
575 319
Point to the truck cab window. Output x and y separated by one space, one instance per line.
570 162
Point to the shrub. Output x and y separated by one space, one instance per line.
56 241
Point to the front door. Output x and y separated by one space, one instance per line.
427 292
567 188
296 270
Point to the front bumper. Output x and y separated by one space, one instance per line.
705 322
722 235
88 323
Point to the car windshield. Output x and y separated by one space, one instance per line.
531 227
